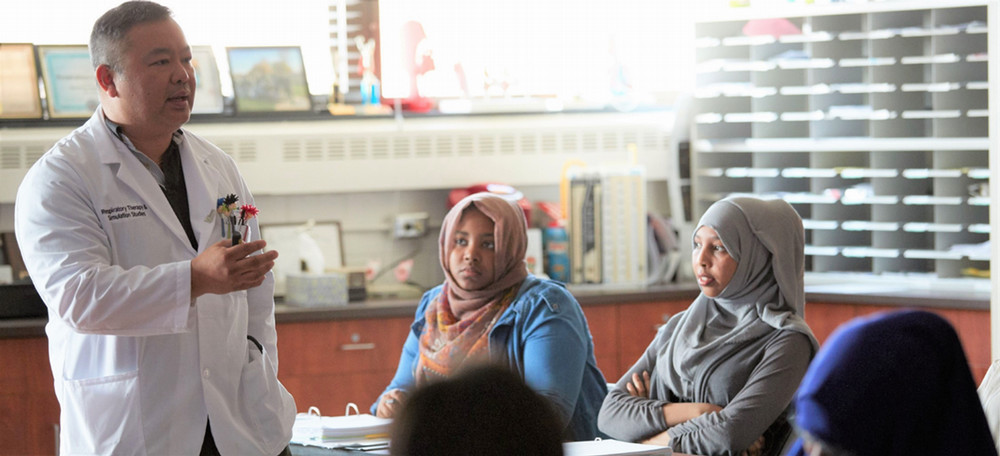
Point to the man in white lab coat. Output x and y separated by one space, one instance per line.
161 331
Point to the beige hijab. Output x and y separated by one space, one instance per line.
511 244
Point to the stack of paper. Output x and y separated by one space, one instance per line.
325 428
610 447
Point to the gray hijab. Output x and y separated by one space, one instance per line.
765 293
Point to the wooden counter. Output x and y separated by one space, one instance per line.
330 356
595 295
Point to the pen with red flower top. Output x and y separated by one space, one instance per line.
247 212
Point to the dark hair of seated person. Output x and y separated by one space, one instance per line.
484 410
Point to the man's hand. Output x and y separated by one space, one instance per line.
223 268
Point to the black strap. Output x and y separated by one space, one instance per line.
259 346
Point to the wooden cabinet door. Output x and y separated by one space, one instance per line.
342 346
327 364
972 326
638 324
331 393
823 318
27 397
603 323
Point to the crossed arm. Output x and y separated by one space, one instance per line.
642 408
679 412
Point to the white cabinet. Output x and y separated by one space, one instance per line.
419 153
870 119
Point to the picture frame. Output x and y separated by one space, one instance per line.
208 86
292 253
19 96
269 79
70 85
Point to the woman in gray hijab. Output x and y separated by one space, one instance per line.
718 377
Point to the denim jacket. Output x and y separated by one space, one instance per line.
543 335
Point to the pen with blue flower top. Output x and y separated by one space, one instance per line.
227 209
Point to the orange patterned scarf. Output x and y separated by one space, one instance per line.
447 343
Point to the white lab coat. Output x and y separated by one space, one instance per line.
989 394
137 365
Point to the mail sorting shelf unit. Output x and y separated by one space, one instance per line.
871 120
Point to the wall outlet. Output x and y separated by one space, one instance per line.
411 225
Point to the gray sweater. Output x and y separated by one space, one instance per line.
754 387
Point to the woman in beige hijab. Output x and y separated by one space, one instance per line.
491 310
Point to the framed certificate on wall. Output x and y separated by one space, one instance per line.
269 79
19 97
208 91
70 84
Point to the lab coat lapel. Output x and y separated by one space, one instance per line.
202 180
130 171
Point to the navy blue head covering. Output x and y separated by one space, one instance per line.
893 383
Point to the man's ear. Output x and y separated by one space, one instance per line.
106 79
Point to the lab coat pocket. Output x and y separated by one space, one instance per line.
266 402
101 415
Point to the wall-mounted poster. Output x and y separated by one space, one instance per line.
208 91
70 85
268 79
19 82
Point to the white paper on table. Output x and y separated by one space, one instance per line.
609 447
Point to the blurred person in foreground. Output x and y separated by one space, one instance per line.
891 384
485 410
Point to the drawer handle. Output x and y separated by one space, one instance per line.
352 347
